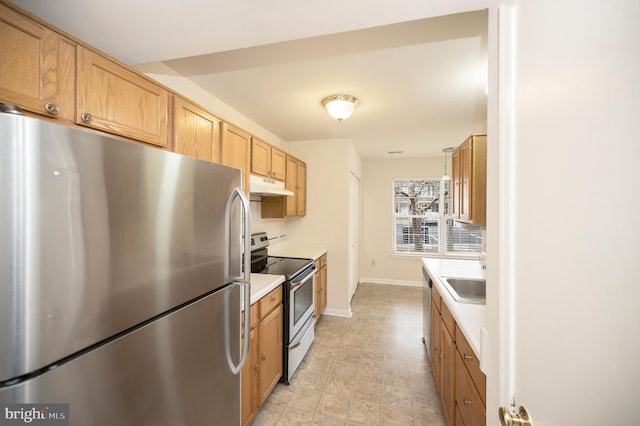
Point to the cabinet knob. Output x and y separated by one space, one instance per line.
257 367
465 401
465 356
264 357
86 117
52 108
273 298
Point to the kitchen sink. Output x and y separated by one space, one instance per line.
467 290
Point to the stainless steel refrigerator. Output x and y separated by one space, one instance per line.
122 278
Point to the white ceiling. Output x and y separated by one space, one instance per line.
419 67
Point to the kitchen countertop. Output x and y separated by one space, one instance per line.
262 284
471 319
313 253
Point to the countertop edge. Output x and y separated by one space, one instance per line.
313 253
262 284
471 319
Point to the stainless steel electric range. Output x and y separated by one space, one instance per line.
298 300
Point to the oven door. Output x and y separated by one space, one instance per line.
302 296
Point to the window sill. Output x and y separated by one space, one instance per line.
475 256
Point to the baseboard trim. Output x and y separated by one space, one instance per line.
391 282
344 313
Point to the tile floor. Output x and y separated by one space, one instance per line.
370 369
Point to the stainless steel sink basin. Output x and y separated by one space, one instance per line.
466 290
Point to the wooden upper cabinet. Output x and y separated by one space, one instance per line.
234 150
469 179
37 69
291 183
115 99
267 160
196 132
260 158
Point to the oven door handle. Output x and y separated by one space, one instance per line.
312 323
296 284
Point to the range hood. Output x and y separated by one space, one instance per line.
266 187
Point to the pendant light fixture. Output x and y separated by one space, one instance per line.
340 107
446 151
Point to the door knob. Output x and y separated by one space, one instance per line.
508 419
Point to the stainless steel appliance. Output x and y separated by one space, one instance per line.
426 310
121 278
298 300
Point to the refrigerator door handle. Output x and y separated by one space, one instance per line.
246 278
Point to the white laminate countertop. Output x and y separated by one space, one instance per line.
471 319
262 284
281 250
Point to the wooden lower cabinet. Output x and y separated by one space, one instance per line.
263 369
459 381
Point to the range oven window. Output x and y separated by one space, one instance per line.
302 300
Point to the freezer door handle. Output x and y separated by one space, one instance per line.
245 283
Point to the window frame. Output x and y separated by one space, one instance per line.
442 218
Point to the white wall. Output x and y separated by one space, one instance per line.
377 213
574 250
329 163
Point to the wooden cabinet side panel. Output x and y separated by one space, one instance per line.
479 183
302 189
248 384
291 183
448 374
455 181
121 101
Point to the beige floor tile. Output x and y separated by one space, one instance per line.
368 391
370 374
429 419
333 406
345 369
366 413
269 414
320 420
397 397
305 400
397 416
340 386
293 417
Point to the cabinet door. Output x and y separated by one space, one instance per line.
37 70
117 100
196 132
234 150
468 400
260 158
436 345
278 164
302 189
291 183
249 383
270 352
448 375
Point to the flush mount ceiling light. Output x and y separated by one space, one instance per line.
446 151
340 107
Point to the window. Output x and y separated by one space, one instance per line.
423 221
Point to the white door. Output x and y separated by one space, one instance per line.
567 310
354 234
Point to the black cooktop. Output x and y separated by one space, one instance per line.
287 266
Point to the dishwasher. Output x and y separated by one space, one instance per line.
426 311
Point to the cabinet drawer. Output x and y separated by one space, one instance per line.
270 301
472 364
449 321
468 400
435 296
